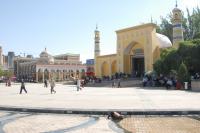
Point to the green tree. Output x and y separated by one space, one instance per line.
8 74
188 52
195 18
197 35
190 55
170 59
158 66
166 28
183 75
1 72
193 22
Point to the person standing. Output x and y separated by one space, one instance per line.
113 83
52 84
78 84
9 82
45 83
22 87
119 83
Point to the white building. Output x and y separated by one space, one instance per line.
59 67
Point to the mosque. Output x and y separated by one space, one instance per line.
138 48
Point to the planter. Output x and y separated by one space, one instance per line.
186 85
195 85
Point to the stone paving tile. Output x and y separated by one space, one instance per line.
38 123
43 123
100 127
143 124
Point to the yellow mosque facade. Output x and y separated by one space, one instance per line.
137 49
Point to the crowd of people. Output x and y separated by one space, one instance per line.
195 76
161 80
116 81
167 81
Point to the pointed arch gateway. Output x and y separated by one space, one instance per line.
134 59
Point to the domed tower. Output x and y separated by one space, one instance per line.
96 49
177 26
46 58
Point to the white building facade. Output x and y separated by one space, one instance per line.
59 67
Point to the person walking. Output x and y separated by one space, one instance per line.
52 84
22 87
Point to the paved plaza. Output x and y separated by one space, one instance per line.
18 122
99 98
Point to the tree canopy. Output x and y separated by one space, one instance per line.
188 53
1 72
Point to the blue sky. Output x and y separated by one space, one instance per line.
67 26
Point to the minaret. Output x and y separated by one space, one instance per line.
1 56
96 48
96 43
177 26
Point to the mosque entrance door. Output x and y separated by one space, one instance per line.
137 66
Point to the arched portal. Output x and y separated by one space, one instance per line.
114 67
105 69
57 75
33 70
40 75
53 74
134 59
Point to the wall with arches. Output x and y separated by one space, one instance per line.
107 65
58 73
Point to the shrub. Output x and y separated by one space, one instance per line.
183 75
